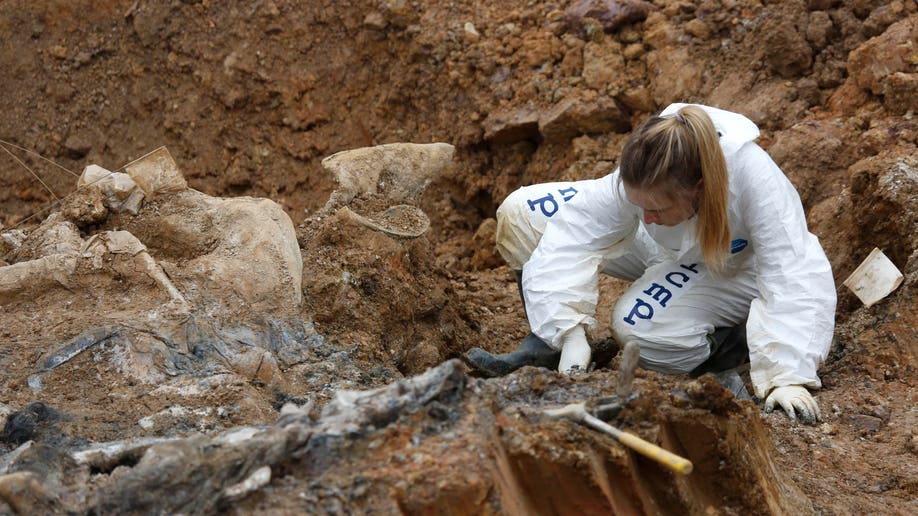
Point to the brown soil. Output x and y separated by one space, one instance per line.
250 96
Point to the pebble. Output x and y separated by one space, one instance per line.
470 33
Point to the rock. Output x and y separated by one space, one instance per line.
633 51
611 14
900 91
375 20
864 423
61 92
486 255
673 74
604 66
57 51
584 113
511 125
258 365
422 356
786 50
871 64
882 17
810 151
819 29
809 92
822 5
848 98
470 33
24 493
11 241
536 50
5 411
84 207
698 28
268 9
572 62
828 429
659 32
399 13
77 146
151 22
884 192
638 98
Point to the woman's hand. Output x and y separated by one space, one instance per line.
794 399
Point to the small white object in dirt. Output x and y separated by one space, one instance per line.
238 435
258 479
875 278
121 192
146 423
156 173
5 411
471 33
11 240
35 382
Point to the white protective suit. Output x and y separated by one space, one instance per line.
777 278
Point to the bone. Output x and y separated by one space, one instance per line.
397 171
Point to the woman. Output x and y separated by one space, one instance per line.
715 239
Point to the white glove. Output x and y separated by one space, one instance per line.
575 351
794 399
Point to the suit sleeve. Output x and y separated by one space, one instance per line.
791 323
561 279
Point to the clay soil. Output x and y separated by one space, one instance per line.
250 96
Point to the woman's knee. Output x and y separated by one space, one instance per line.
665 348
516 235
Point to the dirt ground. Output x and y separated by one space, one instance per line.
249 97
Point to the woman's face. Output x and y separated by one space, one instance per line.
660 208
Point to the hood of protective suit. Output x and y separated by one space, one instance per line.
734 129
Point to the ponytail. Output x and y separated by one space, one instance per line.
675 153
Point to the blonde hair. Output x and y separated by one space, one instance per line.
673 153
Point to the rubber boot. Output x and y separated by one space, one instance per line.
729 350
729 354
533 351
